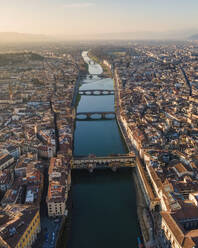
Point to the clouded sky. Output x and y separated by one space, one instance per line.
76 17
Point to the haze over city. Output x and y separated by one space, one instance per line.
98 123
68 19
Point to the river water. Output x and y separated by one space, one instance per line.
100 137
104 202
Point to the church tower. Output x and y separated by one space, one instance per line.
10 92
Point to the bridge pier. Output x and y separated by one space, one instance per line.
91 170
88 115
114 169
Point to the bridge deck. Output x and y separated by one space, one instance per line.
92 90
96 113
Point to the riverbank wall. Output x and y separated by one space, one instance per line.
144 219
76 88
122 133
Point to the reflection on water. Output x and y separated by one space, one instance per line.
104 210
100 137
94 68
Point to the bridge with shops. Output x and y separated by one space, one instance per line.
96 92
112 162
84 116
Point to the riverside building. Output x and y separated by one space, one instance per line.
20 226
59 186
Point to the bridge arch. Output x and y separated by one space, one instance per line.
96 92
84 116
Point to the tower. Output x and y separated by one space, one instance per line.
36 129
10 92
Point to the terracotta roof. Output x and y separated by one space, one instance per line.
173 226
180 168
188 242
148 187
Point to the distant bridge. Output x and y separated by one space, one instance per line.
96 92
89 116
113 162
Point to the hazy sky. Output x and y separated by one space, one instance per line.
75 17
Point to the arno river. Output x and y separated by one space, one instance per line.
104 202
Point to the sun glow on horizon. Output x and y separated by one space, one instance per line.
81 17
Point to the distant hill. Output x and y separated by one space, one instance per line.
11 37
14 37
139 35
194 37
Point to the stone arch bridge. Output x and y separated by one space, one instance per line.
89 116
113 162
96 92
